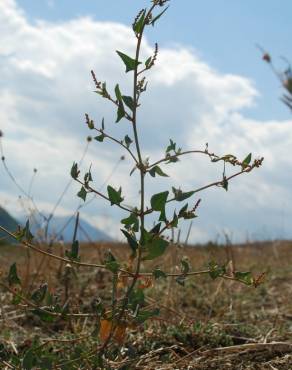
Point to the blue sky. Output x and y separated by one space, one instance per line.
224 32
209 85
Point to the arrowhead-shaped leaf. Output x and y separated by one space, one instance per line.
156 170
158 201
129 62
155 248
114 195
82 193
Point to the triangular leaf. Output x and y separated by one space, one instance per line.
129 62
114 195
131 241
128 100
99 138
158 201
12 276
131 221
246 161
82 193
157 273
156 170
246 277
128 141
155 248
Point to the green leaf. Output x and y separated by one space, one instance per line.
113 266
111 263
156 228
181 280
118 92
131 220
145 237
158 16
39 295
156 170
128 141
179 195
29 359
100 138
216 270
114 195
128 100
246 277
158 201
90 124
185 265
171 146
157 273
146 315
24 232
147 63
246 161
44 315
131 64
136 298
74 171
88 176
131 241
225 183
138 26
12 276
82 193
16 299
155 248
174 221
73 254
183 210
120 112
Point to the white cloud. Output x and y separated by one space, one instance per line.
46 89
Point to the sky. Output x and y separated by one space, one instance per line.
209 85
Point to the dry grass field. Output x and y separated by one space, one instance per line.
207 324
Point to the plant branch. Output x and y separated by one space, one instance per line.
92 190
118 142
216 183
174 156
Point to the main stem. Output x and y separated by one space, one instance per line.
142 188
136 138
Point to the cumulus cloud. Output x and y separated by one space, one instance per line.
46 89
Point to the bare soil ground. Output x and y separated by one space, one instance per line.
204 325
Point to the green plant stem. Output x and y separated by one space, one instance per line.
142 186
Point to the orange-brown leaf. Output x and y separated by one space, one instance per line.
119 334
105 329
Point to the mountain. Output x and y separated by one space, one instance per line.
63 229
7 221
85 233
